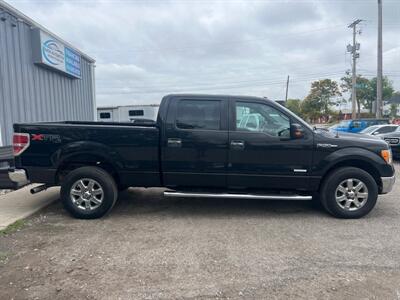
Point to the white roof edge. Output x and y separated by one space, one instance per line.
12 10
132 105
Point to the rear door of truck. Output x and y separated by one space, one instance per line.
195 142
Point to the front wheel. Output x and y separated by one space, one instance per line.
349 193
88 192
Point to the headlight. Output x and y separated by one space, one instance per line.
387 155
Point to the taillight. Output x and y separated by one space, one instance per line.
20 142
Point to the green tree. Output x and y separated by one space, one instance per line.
310 110
393 110
394 103
294 105
321 96
387 92
363 87
366 90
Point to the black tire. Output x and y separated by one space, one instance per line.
331 183
102 179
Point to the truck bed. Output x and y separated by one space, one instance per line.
132 150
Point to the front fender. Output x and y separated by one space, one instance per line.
325 162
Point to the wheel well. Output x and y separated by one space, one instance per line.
85 160
367 167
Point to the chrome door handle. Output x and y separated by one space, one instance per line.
174 142
237 144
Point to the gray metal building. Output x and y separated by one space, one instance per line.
42 77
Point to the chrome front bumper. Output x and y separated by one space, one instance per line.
387 184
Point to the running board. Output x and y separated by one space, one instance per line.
170 194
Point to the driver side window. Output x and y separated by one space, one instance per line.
259 117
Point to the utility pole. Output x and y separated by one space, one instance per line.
287 88
353 50
379 100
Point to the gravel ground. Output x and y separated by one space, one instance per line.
3 192
154 248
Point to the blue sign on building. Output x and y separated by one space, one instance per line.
72 62
49 51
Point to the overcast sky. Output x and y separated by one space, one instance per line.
146 49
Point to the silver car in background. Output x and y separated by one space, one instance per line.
380 129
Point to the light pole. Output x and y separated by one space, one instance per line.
379 100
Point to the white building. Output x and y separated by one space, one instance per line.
127 113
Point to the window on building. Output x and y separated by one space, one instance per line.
199 114
105 115
136 112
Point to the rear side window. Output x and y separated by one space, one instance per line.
199 114
386 129
382 122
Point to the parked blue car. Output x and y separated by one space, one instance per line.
355 126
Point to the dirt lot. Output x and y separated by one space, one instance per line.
154 248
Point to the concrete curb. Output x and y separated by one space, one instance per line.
20 204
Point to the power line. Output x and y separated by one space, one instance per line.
145 90
224 44
267 68
302 76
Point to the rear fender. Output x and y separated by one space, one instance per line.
73 151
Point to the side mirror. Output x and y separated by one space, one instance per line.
296 131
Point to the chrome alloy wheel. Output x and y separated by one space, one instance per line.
87 194
351 194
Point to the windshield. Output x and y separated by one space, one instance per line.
369 129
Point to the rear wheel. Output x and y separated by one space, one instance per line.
349 193
88 192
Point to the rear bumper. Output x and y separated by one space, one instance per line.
10 178
13 179
387 184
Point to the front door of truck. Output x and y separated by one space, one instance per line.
195 143
262 152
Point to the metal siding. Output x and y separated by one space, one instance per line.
29 93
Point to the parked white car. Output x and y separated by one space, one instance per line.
380 129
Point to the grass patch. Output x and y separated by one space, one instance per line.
13 227
3 257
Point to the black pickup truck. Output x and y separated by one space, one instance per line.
203 146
